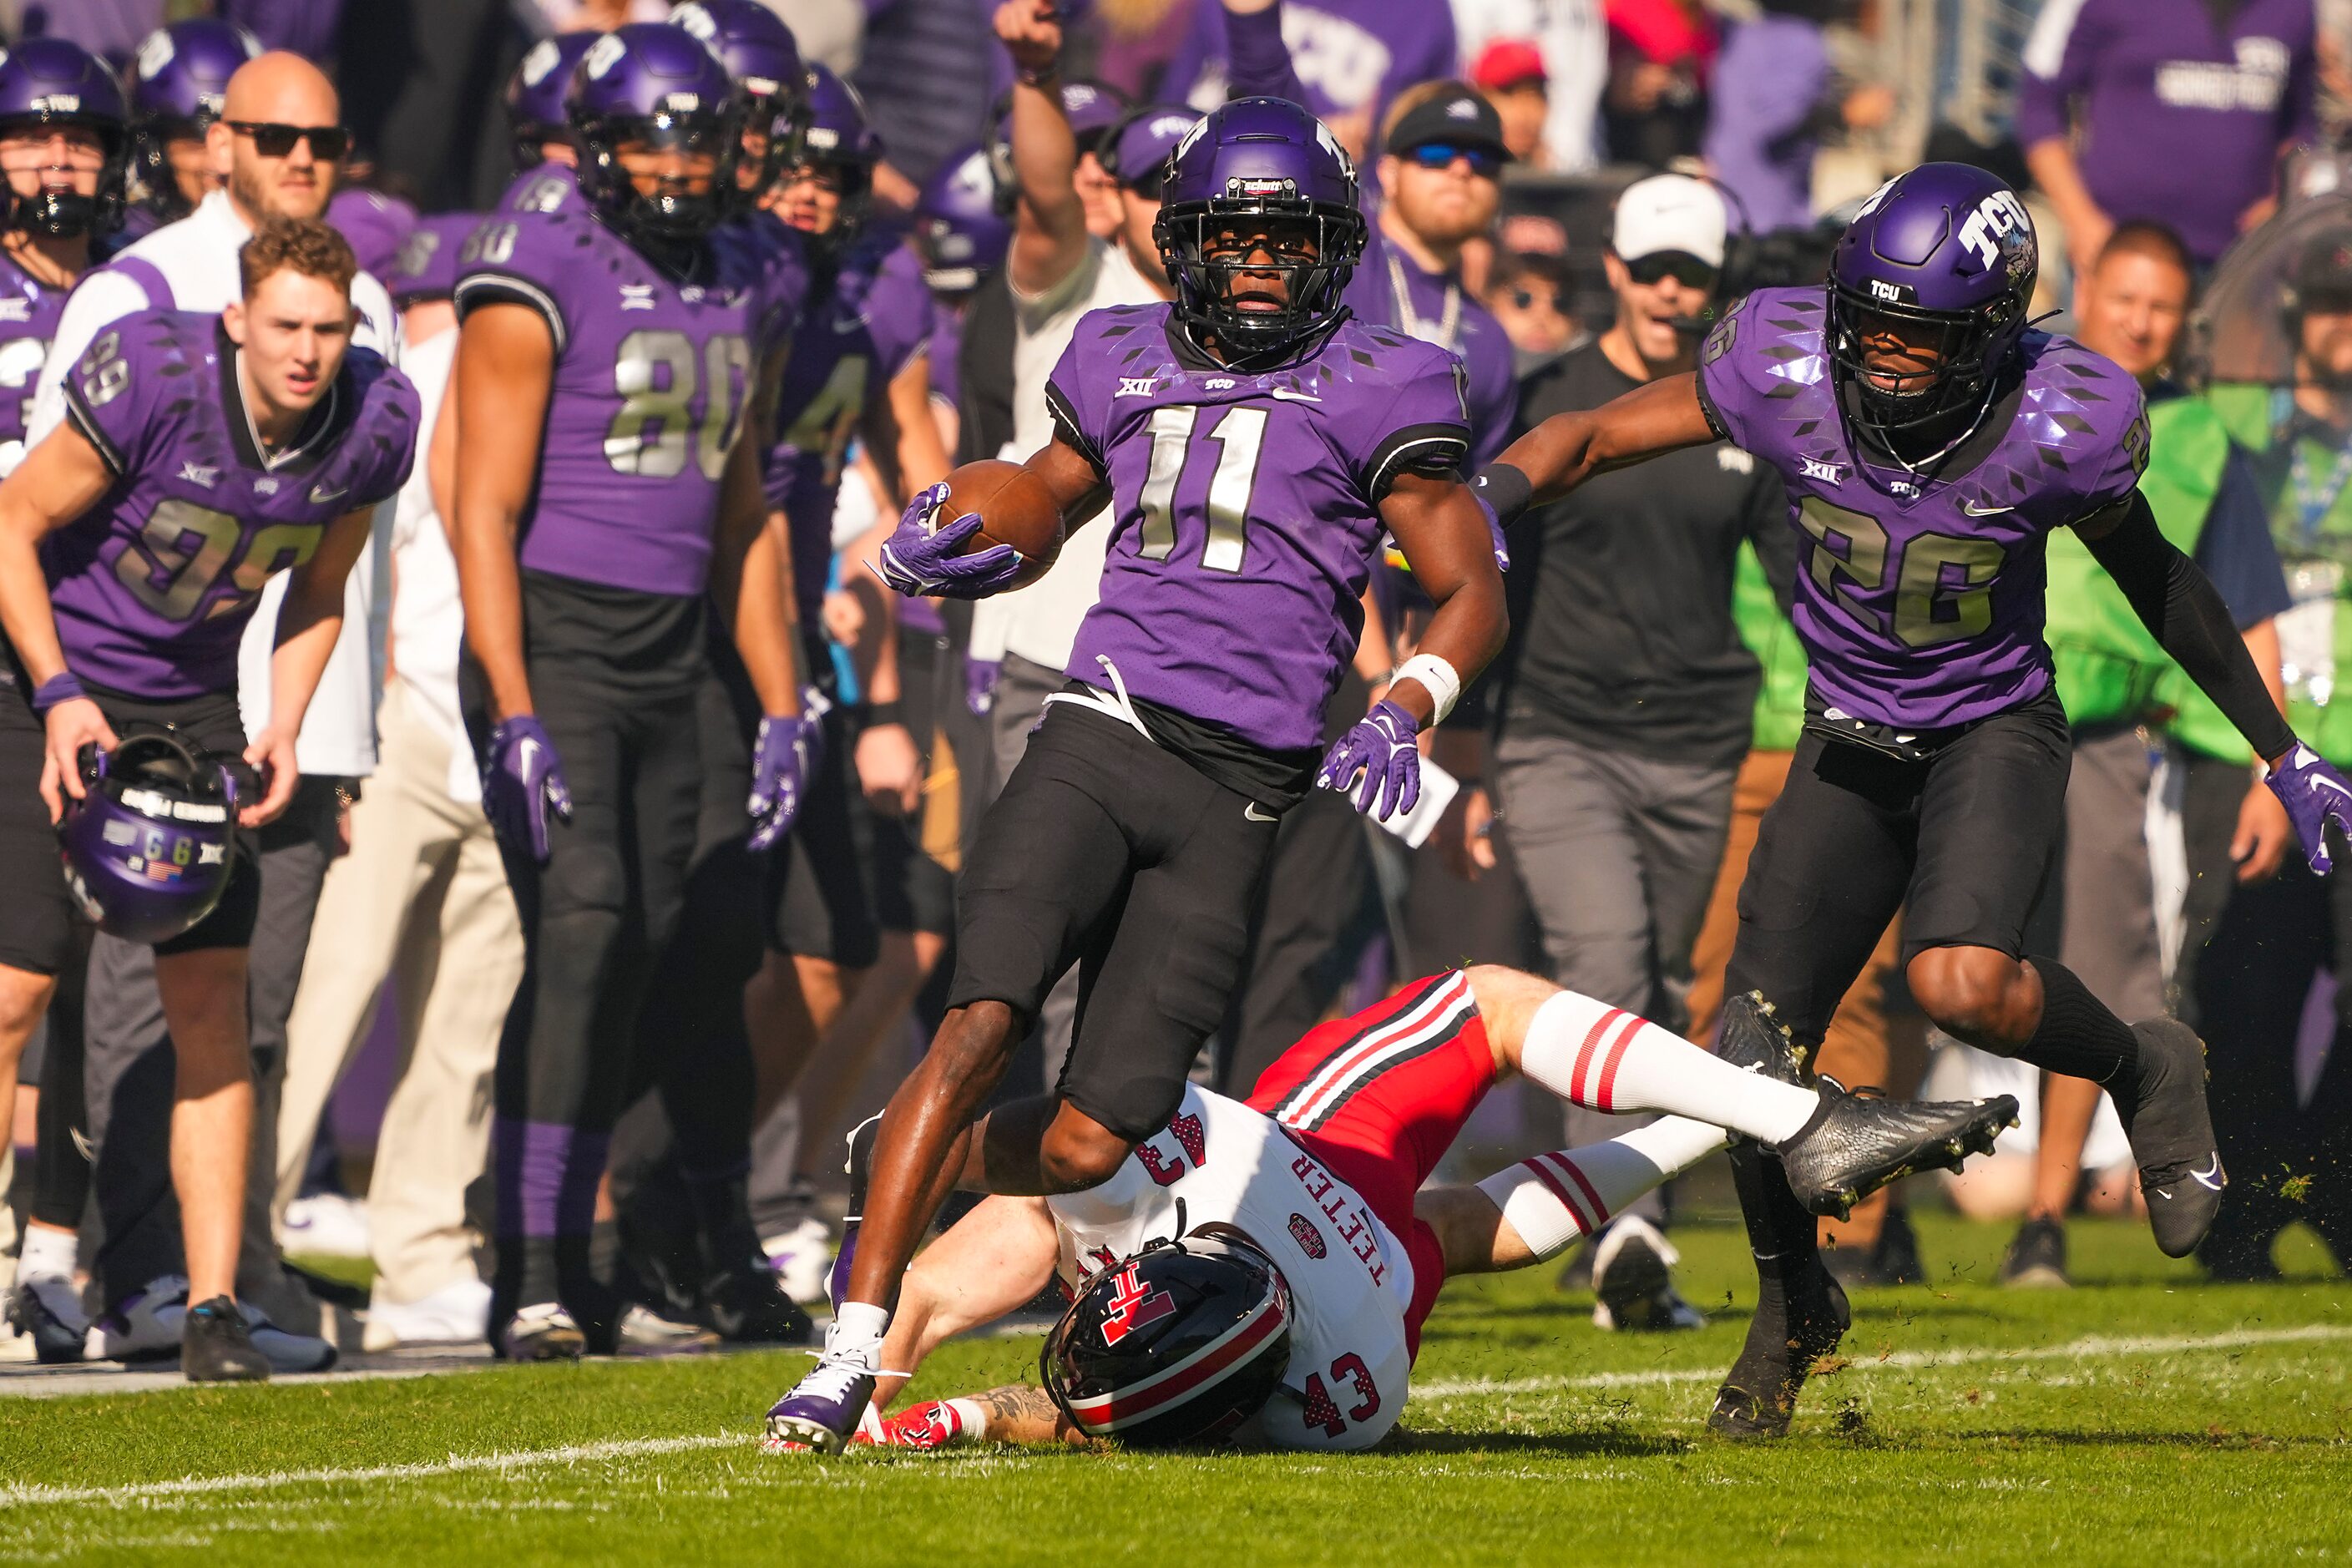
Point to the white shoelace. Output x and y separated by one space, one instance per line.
1114 703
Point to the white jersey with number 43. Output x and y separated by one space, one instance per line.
1350 1278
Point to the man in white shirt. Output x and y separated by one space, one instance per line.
278 143
1058 272
421 899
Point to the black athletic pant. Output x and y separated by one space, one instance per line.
61 1123
1114 854
1961 841
615 677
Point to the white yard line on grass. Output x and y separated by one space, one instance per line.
456 1463
2089 1349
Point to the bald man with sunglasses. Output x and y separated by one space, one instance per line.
278 148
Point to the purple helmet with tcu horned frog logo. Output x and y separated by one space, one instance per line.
652 83
1946 247
1258 158
179 79
763 59
1179 1344
50 82
150 846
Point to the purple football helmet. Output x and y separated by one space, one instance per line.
1259 166
652 83
1093 108
1214 1306
535 113
960 228
1946 248
51 82
178 80
836 138
763 60
150 846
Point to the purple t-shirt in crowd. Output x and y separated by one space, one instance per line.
2181 119
306 26
28 320
1436 308
1353 55
652 379
1245 509
851 339
1761 104
153 587
1920 601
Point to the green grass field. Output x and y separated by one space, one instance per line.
2142 1418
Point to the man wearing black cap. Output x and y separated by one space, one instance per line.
1624 701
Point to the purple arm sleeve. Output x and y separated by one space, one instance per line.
1202 45
1261 60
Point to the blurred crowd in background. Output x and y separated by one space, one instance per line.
1568 192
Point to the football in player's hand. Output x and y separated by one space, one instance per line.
1015 509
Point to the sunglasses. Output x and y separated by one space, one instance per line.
328 142
1528 299
1484 161
1687 271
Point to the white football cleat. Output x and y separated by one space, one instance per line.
325 1225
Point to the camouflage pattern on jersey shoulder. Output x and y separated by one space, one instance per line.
1764 370
2081 431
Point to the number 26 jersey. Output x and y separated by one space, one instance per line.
1920 598
653 378
1245 506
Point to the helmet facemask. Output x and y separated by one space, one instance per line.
64 214
669 214
1221 254
1942 403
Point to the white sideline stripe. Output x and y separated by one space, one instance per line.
456 1463
2088 1348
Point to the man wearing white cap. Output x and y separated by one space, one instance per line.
1623 702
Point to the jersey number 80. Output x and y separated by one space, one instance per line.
656 376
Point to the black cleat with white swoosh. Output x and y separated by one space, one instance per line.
2172 1137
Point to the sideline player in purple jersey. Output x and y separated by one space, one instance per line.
65 169
1255 442
546 158
605 502
200 456
179 81
1930 440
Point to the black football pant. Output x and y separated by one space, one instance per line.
1960 841
614 678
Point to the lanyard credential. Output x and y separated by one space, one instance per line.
1442 332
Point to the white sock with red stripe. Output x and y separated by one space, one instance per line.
1605 1059
1554 1200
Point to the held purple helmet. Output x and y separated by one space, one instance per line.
535 113
179 79
1093 108
1253 159
763 59
50 82
1948 247
959 229
1180 1344
150 846
653 83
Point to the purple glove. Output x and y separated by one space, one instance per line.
920 557
788 749
1380 748
523 783
2314 795
980 684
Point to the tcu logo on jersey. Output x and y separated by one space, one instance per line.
1166 1169
1132 1307
1999 224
